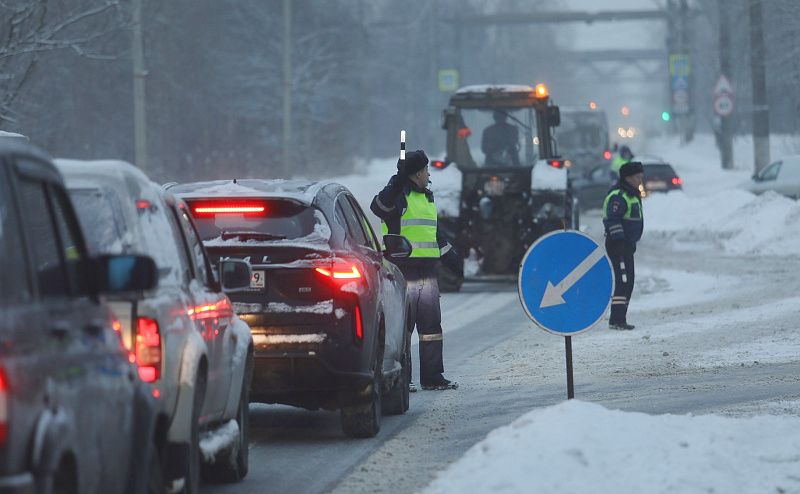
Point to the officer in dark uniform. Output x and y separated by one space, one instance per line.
406 207
624 222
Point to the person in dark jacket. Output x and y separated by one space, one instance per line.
623 219
406 207
500 142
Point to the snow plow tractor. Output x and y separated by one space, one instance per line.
514 187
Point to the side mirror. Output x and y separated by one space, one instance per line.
397 246
756 178
123 274
554 115
235 275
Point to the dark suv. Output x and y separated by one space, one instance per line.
327 311
74 416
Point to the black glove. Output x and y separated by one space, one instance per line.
615 247
632 247
452 261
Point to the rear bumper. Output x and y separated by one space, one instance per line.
297 367
22 483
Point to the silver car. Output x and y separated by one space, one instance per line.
782 176
183 335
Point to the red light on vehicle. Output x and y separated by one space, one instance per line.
607 154
359 325
143 204
148 349
156 393
352 274
438 164
556 163
464 132
228 209
3 406
677 181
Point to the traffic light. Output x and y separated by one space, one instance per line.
665 116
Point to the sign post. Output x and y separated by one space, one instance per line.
565 285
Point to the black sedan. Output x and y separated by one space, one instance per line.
592 186
326 309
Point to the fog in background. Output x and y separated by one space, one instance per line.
361 71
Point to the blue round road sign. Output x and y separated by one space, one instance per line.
565 282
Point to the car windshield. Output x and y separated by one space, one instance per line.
259 220
498 138
100 214
659 172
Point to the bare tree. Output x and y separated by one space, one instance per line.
33 27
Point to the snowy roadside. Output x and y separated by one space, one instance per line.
583 447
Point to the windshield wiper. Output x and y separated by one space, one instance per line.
248 235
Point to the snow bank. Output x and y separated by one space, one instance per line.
713 212
583 447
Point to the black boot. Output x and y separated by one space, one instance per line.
439 384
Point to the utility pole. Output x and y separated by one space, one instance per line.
139 103
760 105
287 86
725 131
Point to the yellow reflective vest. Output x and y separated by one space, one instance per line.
418 224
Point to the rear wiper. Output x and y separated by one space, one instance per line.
246 235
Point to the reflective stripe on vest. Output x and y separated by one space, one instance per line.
418 224
630 201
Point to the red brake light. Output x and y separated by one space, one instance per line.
607 154
256 208
143 204
341 270
148 349
438 164
556 163
3 406
359 325
677 181
464 132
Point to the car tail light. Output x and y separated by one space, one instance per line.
556 163
3 406
464 132
359 325
607 154
340 270
439 164
148 349
232 207
677 181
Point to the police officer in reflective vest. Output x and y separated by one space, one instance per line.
406 207
625 156
624 221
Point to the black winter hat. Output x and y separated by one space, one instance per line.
415 161
631 168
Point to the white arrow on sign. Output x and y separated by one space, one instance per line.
554 295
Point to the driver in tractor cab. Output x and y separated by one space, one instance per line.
500 142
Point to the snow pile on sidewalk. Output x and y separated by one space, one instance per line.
583 447
712 211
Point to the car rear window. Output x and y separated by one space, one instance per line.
101 217
659 172
258 220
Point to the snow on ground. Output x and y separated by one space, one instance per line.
214 441
583 447
712 213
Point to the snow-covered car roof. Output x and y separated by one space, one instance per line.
14 136
80 170
303 191
495 88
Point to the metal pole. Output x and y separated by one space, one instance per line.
726 123
570 382
139 103
287 85
760 105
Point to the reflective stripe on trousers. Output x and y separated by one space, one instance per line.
425 314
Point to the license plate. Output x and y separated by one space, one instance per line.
257 280
659 185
